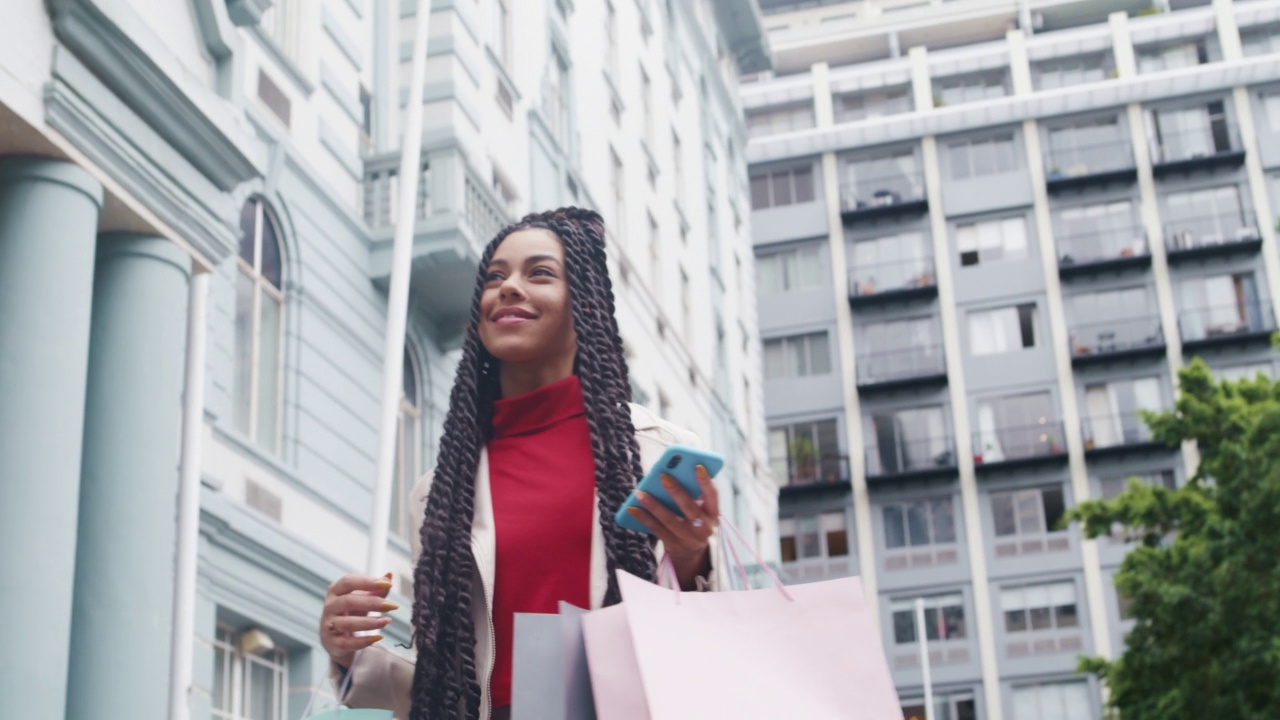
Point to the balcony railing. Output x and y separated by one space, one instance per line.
1115 337
1120 245
1090 162
882 194
1114 431
1018 443
898 366
1212 233
910 276
382 191
1213 143
910 456
1214 324
822 471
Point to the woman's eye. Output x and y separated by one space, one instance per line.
493 277
541 272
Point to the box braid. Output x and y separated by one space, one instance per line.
444 683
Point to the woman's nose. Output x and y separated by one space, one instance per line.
511 287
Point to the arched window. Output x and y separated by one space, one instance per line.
408 448
259 326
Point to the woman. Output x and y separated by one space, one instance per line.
540 448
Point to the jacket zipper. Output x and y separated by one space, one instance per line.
486 697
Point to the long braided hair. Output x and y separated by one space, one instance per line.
444 681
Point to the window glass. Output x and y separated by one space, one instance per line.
1002 330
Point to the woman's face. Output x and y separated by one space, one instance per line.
524 310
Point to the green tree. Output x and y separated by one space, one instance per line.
1203 579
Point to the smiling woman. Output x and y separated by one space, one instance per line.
541 447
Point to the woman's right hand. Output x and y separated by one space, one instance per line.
347 610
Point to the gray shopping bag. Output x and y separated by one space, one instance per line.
549 679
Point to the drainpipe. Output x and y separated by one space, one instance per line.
188 535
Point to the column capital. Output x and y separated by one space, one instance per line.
32 168
116 244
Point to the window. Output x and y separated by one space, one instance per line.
960 89
1099 231
943 619
1112 321
677 164
1053 701
646 107
1250 371
259 326
797 356
1111 411
1030 512
1260 41
408 449
1002 330
1084 148
772 121
1016 426
610 40
366 119
791 270
619 200
1172 57
1078 70
891 262
814 536
782 187
1191 132
909 440
1112 487
992 240
806 452
282 23
1220 305
978 157
1033 608
502 32
556 101
960 706
882 179
1206 217
866 106
248 686
686 304
920 523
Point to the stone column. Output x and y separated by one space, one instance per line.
129 480
48 220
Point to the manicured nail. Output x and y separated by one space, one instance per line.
388 606
635 512
383 584
384 621
388 575
642 496
702 473
374 639
668 482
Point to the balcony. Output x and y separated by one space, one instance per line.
1239 323
1122 338
892 281
1216 144
919 365
824 474
897 458
898 193
455 217
1102 250
1111 434
1092 164
1212 235
1019 446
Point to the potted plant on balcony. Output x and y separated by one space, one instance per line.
804 461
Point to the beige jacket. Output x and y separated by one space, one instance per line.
383 679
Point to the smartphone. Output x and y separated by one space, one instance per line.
680 462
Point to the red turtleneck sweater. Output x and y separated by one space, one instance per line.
542 478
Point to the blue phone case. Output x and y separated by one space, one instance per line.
680 462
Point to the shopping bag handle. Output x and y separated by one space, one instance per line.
742 571
342 690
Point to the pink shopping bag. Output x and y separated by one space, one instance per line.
805 651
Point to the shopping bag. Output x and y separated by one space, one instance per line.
810 651
549 678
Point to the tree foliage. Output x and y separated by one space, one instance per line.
1203 578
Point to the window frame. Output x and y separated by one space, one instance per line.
237 666
260 286
938 603
1052 610
805 341
1042 507
410 450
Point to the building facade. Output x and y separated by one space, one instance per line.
256 142
987 234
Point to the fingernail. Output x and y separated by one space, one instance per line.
388 607
388 575
668 482
383 584
702 472
373 639
642 495
634 511
385 621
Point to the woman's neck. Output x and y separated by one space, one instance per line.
516 379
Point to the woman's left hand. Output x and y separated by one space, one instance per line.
685 539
